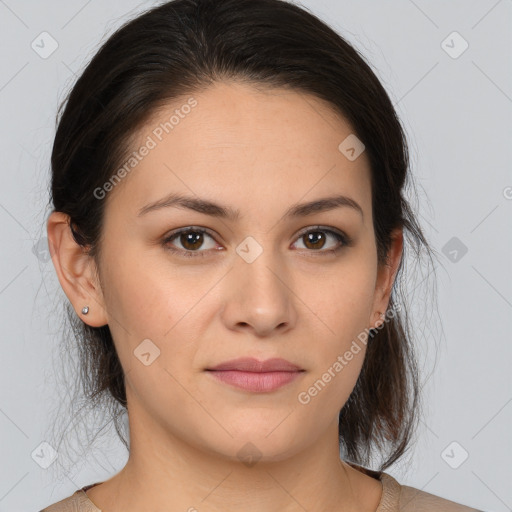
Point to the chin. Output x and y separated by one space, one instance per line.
250 446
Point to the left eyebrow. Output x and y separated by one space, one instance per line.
216 210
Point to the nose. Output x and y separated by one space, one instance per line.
258 297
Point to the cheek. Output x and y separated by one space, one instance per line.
153 302
146 296
138 305
154 340
343 300
343 307
338 358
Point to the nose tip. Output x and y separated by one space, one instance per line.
257 298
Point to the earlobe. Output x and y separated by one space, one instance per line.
76 271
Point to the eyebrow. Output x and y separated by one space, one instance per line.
225 212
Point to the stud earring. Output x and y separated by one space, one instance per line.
85 310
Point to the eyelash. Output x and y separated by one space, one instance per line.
340 237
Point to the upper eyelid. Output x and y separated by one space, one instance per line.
192 229
320 228
206 231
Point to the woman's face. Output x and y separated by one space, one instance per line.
272 281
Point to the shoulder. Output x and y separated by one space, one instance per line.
403 498
77 502
418 501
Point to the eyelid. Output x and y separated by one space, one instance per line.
321 228
342 237
169 237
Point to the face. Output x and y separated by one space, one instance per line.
254 276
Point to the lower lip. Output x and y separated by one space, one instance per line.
259 382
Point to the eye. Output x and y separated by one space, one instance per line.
315 239
191 239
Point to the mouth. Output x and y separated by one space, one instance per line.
256 376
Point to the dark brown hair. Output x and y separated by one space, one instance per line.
184 46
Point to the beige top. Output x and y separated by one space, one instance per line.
395 498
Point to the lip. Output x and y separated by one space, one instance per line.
256 376
250 364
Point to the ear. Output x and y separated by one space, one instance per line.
76 271
386 276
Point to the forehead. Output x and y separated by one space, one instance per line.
243 144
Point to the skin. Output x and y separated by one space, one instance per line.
259 151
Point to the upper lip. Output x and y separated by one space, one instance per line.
250 364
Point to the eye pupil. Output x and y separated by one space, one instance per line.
315 237
190 240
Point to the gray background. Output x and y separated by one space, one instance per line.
457 114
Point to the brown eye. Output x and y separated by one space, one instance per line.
191 241
316 240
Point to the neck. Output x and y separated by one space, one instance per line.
164 472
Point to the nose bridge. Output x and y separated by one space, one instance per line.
259 268
260 295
